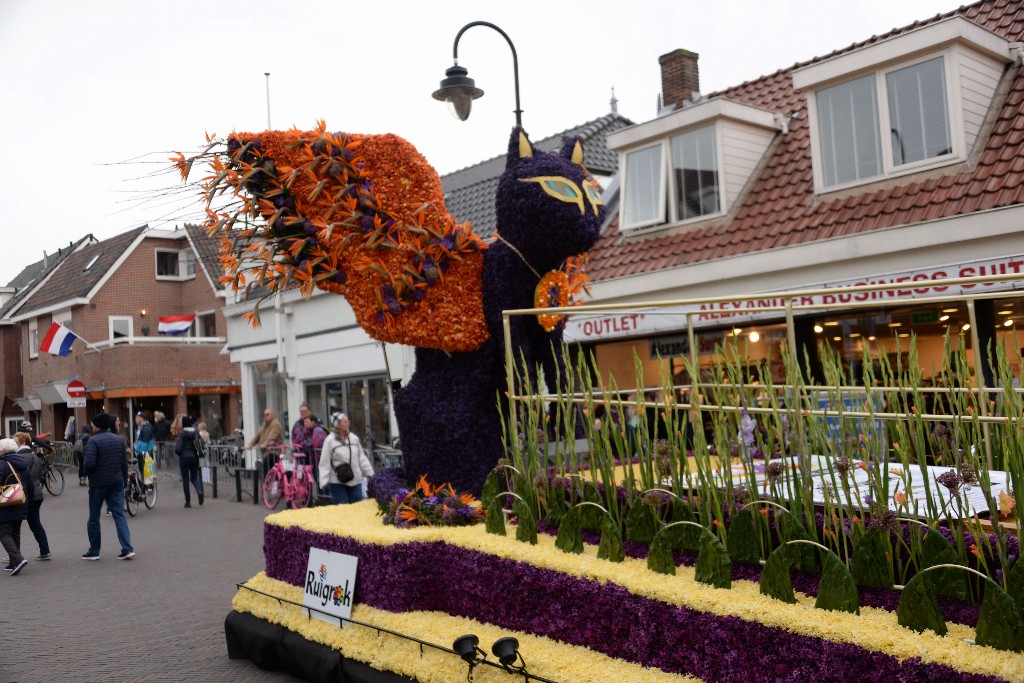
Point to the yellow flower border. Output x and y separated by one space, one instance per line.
544 657
874 629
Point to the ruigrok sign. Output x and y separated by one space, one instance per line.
329 586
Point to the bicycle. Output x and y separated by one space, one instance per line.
291 480
136 491
53 476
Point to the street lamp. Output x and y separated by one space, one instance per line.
459 90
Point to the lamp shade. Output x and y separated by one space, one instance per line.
458 90
466 647
506 650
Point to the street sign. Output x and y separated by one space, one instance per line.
76 402
76 389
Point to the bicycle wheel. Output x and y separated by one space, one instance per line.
150 499
131 497
273 487
302 493
54 481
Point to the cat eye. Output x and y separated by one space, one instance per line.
593 190
560 188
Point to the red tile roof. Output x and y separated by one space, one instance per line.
780 208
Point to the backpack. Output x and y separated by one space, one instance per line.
200 445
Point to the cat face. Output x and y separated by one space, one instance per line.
548 205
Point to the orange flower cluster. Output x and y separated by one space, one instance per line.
358 215
561 288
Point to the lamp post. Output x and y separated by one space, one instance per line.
459 90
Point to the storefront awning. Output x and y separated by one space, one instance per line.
29 403
54 392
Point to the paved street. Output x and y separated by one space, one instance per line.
157 617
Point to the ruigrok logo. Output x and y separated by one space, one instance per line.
329 589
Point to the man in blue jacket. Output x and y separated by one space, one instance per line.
106 465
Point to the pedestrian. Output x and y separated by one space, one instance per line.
340 448
71 429
145 440
35 466
311 439
269 435
79 450
11 516
298 427
203 432
106 466
162 436
188 459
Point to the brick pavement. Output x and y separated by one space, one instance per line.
157 617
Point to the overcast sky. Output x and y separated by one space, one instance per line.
95 95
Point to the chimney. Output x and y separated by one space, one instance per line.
679 77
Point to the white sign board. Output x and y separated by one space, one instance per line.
76 402
329 586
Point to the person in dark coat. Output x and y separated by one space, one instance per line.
11 516
36 468
106 465
188 459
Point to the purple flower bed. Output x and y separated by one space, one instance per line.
604 617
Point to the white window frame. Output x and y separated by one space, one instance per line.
194 330
186 264
110 329
889 169
33 338
667 204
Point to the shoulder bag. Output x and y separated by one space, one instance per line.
12 493
343 471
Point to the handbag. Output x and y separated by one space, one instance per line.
343 471
12 494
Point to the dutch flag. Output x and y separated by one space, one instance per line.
175 324
58 340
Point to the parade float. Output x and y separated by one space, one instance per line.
789 541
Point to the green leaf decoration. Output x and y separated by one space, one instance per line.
494 523
713 564
919 606
684 536
659 558
775 581
936 549
591 517
610 547
641 522
1015 583
999 623
526 530
492 487
743 542
837 590
556 506
804 557
570 538
871 564
524 488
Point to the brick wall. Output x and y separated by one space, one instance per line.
130 290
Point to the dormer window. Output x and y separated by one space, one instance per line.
674 169
175 265
910 103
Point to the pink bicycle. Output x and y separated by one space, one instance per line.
290 478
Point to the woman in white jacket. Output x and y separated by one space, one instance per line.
340 447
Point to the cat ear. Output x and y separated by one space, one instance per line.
519 146
573 151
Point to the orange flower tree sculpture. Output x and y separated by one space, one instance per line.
364 216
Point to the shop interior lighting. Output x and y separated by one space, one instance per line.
904 335
871 338
949 310
831 323
837 339
755 337
819 329
1008 323
736 331
855 334
1007 312
895 324
966 327
944 318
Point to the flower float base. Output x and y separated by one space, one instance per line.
579 618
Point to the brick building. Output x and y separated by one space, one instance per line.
111 294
